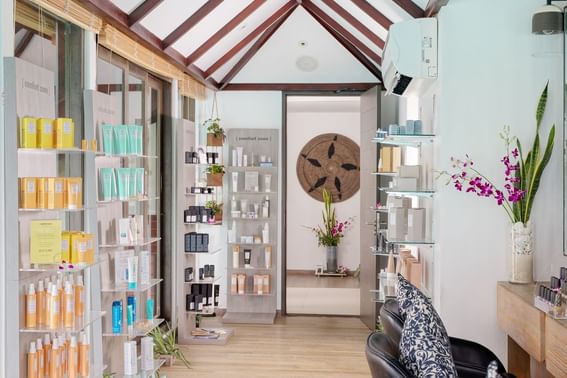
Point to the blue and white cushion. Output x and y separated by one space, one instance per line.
425 350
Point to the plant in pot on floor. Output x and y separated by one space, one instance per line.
522 175
330 235
215 133
215 174
216 210
166 347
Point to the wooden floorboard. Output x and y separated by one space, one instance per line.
295 346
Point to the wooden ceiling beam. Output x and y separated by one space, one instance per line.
303 87
233 23
249 38
142 11
255 47
189 23
334 25
119 19
355 23
410 7
331 26
374 13
23 44
433 7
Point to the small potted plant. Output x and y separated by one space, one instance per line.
216 210
215 174
215 133
165 346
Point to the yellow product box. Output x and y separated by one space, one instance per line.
73 192
55 193
45 241
64 133
66 246
42 192
28 193
28 132
82 248
45 133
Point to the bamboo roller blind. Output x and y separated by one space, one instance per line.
29 17
120 43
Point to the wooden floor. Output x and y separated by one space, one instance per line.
295 347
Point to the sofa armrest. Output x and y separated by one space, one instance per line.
472 359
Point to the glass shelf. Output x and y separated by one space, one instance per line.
251 244
62 268
203 224
250 219
78 210
204 312
402 242
252 295
252 268
199 194
380 209
405 139
249 168
265 193
101 154
142 244
205 281
144 199
147 373
141 329
139 289
60 151
80 324
213 252
388 174
415 193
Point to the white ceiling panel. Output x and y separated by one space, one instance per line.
276 60
214 21
127 5
345 24
361 16
390 9
221 72
239 33
167 16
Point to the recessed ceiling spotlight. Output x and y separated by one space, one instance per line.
306 63
243 26
302 43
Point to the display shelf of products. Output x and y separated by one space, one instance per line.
382 209
240 219
199 194
203 224
401 242
252 295
61 151
131 245
252 268
141 329
79 326
264 193
146 373
58 268
125 156
414 193
249 168
129 200
66 210
405 139
388 174
212 280
252 244
204 312
124 288
210 252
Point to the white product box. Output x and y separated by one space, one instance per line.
416 224
398 201
405 183
121 266
397 223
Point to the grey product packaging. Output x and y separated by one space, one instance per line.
188 242
206 269
193 242
210 298
211 270
416 224
190 302
397 223
206 242
189 274
198 303
217 295
201 274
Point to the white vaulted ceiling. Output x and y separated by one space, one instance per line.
259 41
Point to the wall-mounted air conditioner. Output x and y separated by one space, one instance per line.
410 56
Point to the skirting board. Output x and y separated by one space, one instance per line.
249 317
222 340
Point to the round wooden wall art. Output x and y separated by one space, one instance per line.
332 162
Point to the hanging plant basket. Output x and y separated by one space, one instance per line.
214 179
215 141
215 133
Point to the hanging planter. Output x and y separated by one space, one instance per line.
215 133
215 175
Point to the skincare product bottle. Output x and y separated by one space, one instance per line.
32 361
131 301
235 256
108 183
150 309
79 290
130 318
55 359
117 317
74 195
234 158
84 363
147 353
234 283
107 139
267 183
62 356
235 181
46 352
244 208
268 256
69 310
266 208
144 267
132 272
241 284
266 233
247 257
216 294
73 358
121 139
40 358
123 183
133 226
31 307
239 151
54 308
245 161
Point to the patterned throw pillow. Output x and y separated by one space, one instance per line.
425 350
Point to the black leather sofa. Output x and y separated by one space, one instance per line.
382 350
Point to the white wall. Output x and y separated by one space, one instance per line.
488 78
248 109
302 210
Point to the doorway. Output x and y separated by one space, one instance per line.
308 117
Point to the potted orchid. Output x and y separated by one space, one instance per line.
522 175
331 233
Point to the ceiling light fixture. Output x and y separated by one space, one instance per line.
306 63
302 43
548 19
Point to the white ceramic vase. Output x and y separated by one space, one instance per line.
522 257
